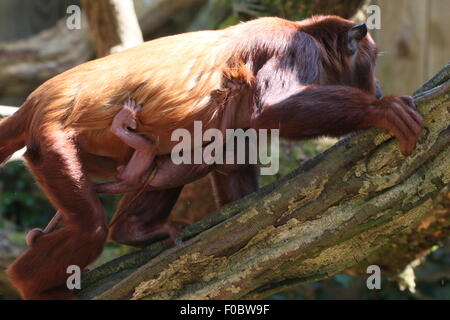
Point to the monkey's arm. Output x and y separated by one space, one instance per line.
136 172
339 110
301 109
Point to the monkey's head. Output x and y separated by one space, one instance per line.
348 52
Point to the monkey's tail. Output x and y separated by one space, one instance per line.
12 133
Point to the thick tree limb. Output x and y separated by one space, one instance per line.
335 212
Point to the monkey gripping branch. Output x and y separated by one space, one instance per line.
359 203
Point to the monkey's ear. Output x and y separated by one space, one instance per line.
354 36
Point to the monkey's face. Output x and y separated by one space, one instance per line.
358 55
348 52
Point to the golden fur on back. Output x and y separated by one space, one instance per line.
173 78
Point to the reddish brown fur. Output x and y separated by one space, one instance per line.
294 76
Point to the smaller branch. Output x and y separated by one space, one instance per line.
437 80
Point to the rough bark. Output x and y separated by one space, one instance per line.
113 25
342 209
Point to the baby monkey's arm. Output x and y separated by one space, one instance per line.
133 175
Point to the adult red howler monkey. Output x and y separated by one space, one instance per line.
308 78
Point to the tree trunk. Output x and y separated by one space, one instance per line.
113 25
349 207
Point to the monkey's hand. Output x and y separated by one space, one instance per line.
119 187
399 116
130 179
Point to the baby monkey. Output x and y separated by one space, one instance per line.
137 171
132 176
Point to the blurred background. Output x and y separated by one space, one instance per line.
35 45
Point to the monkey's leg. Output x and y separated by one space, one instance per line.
41 271
145 218
98 166
233 181
136 172
232 185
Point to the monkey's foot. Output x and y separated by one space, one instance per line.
125 185
33 235
173 229
144 234
119 187
36 233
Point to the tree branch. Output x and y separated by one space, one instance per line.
335 212
26 64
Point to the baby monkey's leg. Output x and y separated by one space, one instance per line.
133 175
